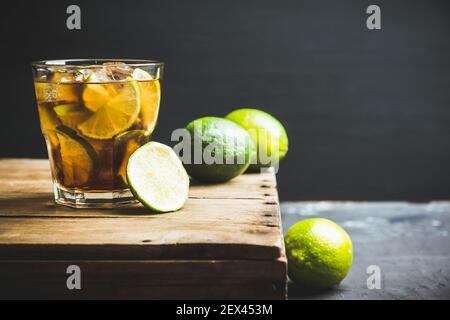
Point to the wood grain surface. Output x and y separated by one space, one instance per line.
229 233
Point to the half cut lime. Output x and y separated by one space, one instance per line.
157 177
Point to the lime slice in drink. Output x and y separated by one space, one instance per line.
95 96
157 177
49 121
117 114
141 75
79 160
97 91
124 145
48 118
71 114
150 98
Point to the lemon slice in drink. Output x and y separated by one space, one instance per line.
157 177
49 121
79 159
150 98
124 145
95 96
117 114
142 75
48 118
97 92
71 114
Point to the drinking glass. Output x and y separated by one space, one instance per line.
94 114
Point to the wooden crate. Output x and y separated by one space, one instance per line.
225 243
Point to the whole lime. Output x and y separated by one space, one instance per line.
220 149
267 133
319 252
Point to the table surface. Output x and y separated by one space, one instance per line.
238 219
226 242
409 242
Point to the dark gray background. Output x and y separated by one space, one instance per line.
367 112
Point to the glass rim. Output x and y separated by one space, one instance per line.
92 63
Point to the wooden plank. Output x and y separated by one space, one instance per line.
142 237
225 243
213 224
33 176
182 279
42 205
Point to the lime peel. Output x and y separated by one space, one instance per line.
268 134
320 253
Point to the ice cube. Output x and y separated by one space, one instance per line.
83 75
118 70
63 77
98 75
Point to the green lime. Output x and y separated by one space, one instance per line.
267 133
79 159
220 149
157 177
319 252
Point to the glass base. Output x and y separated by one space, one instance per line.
83 199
